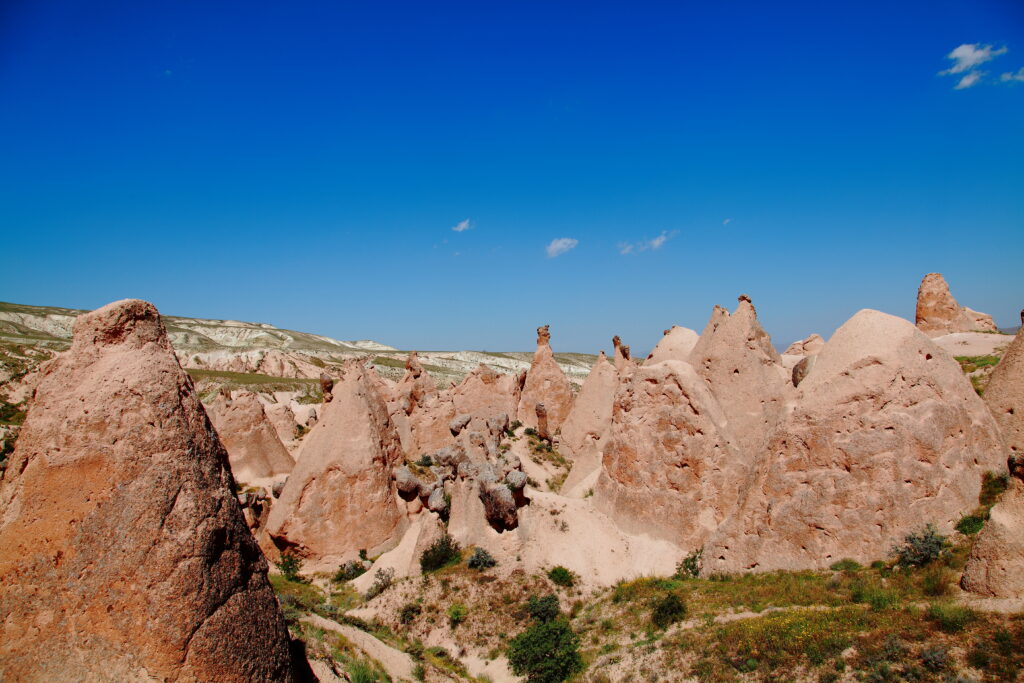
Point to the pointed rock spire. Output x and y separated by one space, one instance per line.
545 383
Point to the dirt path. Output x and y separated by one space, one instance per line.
396 663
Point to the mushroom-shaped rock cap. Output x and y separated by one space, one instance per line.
124 554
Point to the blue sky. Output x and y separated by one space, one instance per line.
622 166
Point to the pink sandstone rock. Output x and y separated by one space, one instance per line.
591 413
805 347
254 450
995 567
938 313
123 550
676 344
1004 394
545 383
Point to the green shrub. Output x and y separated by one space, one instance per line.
667 610
425 461
920 548
348 571
382 580
934 658
409 611
970 524
511 429
442 553
530 431
481 559
950 618
561 576
290 565
689 566
457 614
877 597
846 565
992 486
546 652
543 608
361 672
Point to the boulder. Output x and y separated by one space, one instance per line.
938 313
676 344
499 505
591 412
885 435
254 450
326 386
459 423
545 383
124 554
340 497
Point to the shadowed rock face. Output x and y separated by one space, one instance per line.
123 551
340 497
545 383
938 313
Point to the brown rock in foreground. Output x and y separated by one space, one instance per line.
123 552
938 313
340 498
885 435
254 449
545 383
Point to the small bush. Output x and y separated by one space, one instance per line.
970 524
361 672
348 571
511 429
290 566
689 566
846 565
561 576
425 461
935 658
442 553
382 580
543 608
409 611
667 610
992 486
920 548
546 652
481 559
950 618
457 614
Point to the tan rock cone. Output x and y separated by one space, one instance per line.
427 411
545 383
591 413
939 313
254 450
340 498
1004 394
123 552
745 373
670 469
485 393
885 436
677 344
622 360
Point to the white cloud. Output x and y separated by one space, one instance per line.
560 246
970 55
727 221
968 80
1013 76
462 225
626 248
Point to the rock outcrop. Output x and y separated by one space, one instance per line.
995 567
676 344
340 497
1004 394
123 551
591 413
253 447
885 435
421 413
545 383
622 359
485 393
805 347
938 313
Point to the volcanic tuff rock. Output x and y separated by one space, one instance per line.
805 347
885 434
545 383
670 466
591 412
421 413
676 344
1004 394
340 497
254 449
939 313
123 552
996 565
486 393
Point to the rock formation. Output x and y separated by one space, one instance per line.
420 412
545 383
622 358
485 393
253 447
591 413
123 552
885 435
326 386
676 344
1004 394
939 313
805 347
670 468
995 567
340 498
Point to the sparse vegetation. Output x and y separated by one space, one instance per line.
382 580
546 652
921 548
290 566
543 608
457 613
350 570
846 565
561 576
689 566
444 552
667 610
481 559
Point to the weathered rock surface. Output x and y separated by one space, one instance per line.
676 344
591 413
1004 394
340 497
805 347
254 450
939 313
885 435
123 551
545 383
421 413
485 393
995 567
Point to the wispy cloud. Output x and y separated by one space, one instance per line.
560 246
727 221
462 226
1013 75
966 60
647 245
